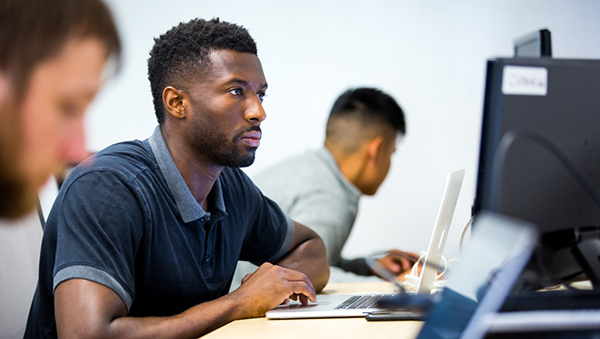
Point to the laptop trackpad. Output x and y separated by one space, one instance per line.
297 305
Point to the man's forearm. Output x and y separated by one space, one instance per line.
102 315
251 300
310 258
357 266
86 309
193 323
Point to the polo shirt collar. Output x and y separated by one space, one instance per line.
188 207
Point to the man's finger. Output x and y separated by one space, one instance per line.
390 264
304 290
299 278
303 299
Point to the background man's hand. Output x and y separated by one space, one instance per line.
271 285
398 262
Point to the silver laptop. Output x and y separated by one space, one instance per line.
358 305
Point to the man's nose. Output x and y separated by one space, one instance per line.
74 150
255 111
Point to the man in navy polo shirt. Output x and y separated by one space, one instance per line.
143 240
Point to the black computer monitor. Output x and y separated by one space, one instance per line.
534 111
534 45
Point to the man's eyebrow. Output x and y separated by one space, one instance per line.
244 82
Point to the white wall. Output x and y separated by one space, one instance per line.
430 55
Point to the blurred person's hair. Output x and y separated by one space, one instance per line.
34 31
361 114
31 33
181 55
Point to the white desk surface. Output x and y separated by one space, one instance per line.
332 328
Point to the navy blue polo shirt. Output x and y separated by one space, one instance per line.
128 221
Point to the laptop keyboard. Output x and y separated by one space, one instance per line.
361 301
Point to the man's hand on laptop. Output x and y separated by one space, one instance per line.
271 285
398 262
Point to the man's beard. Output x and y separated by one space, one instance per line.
220 151
17 196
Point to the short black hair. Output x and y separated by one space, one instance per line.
360 114
182 54
370 104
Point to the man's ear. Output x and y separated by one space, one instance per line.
175 101
374 149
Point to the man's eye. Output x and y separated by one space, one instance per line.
236 91
262 96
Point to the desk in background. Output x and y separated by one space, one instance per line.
346 328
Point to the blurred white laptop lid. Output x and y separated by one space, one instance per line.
440 231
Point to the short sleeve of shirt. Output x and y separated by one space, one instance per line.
99 227
270 231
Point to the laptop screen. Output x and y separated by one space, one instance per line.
499 249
